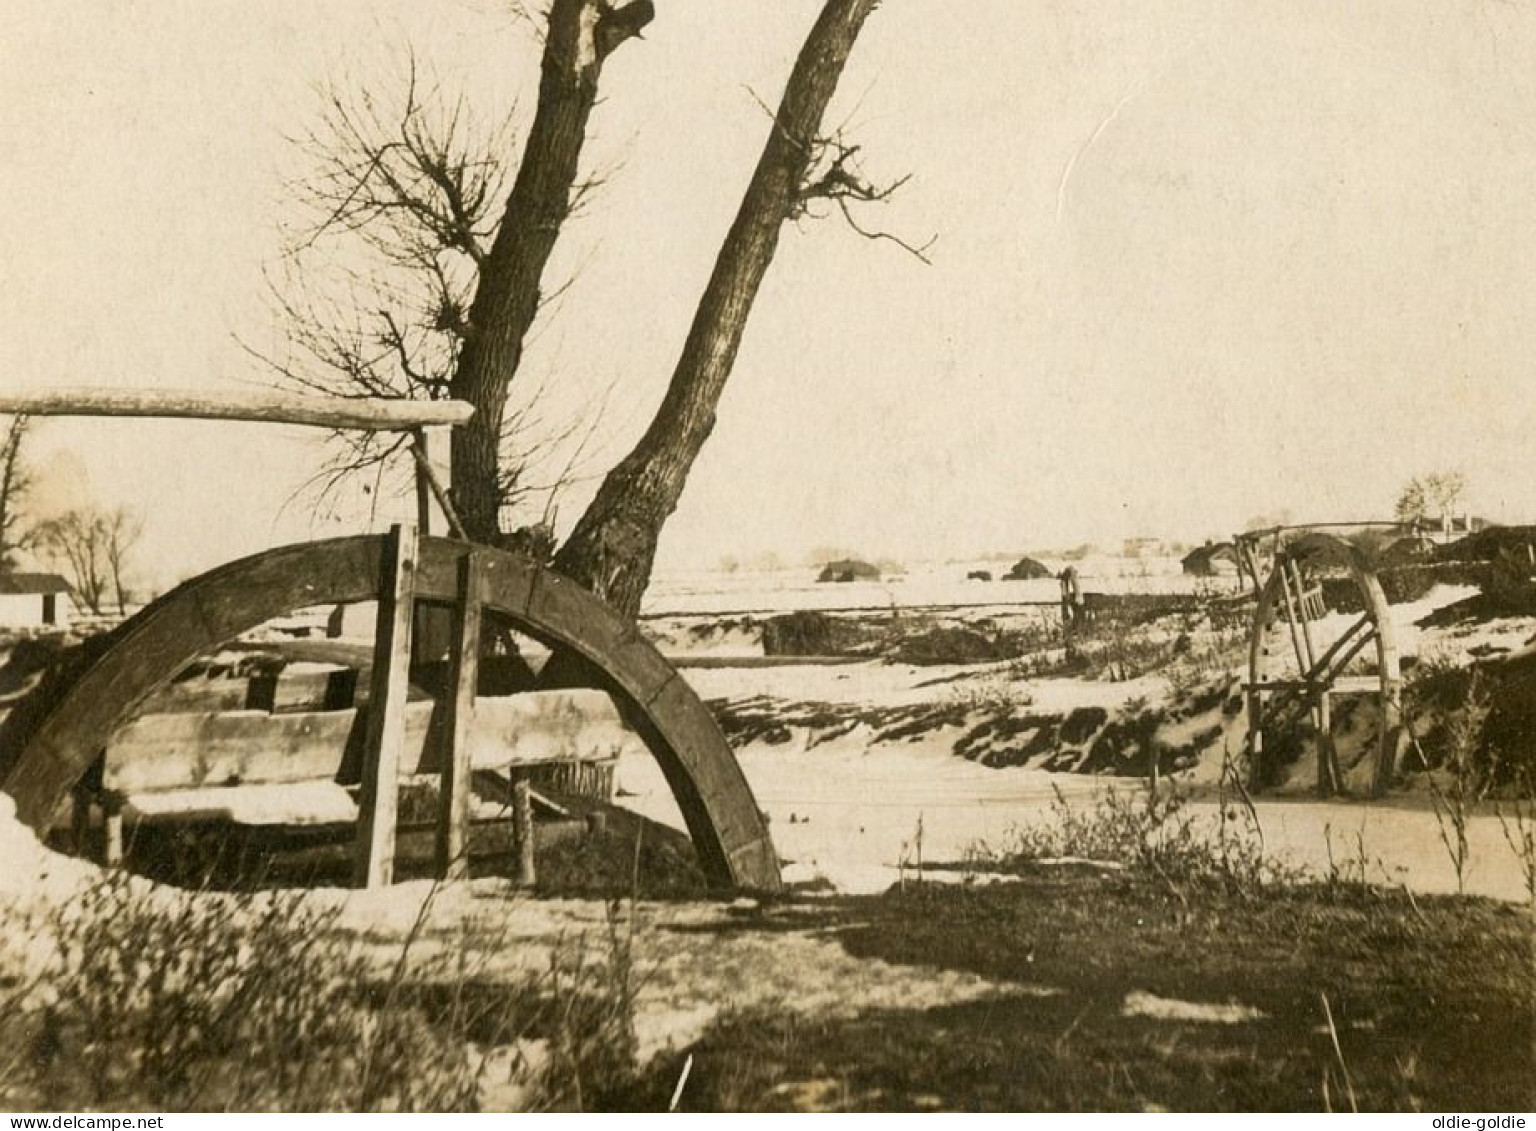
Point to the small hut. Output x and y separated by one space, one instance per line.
1027 569
34 600
849 569
1214 559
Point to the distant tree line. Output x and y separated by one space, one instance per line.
91 543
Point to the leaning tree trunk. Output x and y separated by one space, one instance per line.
613 547
581 34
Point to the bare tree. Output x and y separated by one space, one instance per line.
1431 497
613 547
121 529
15 481
414 183
422 183
93 545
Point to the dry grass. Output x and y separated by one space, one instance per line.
1432 1005
152 999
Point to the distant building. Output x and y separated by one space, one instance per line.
1217 559
34 600
1027 569
849 569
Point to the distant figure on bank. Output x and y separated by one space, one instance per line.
1071 599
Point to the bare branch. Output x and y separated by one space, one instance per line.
919 252
836 177
833 175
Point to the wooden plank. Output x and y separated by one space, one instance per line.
290 691
571 725
342 653
464 677
193 696
1357 685
374 863
287 691
162 752
112 829
158 753
368 414
1281 685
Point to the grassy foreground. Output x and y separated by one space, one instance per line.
1137 957
1429 1005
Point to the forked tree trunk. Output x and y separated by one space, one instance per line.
613 547
580 35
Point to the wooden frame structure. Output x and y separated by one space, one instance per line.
729 832
1287 590
47 754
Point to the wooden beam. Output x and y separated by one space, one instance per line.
1303 661
1329 780
112 829
367 414
428 482
522 831
463 679
159 753
80 820
1306 685
378 800
1301 605
1327 661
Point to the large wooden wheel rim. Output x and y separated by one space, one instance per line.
1330 549
60 745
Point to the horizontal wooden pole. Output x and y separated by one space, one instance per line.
367 414
1283 685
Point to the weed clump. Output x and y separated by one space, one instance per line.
152 999
1152 833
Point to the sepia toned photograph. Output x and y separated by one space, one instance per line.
937 556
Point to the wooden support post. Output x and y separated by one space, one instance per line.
1255 738
1306 621
427 480
463 678
1302 664
378 799
433 627
80 821
1394 736
1250 557
1328 782
522 829
1322 715
112 829
423 457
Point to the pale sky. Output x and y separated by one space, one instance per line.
1196 261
